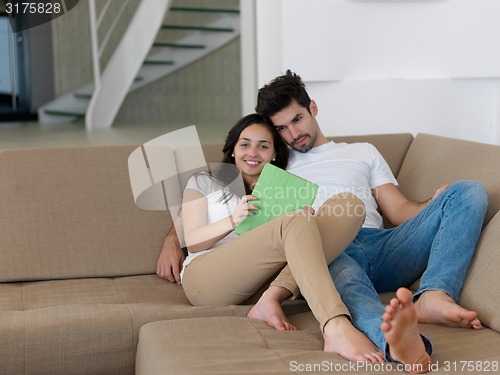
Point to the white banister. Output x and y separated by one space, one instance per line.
94 44
112 86
103 12
105 40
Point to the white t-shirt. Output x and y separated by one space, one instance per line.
343 167
217 207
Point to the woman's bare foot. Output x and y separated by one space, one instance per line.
342 338
401 332
436 306
268 308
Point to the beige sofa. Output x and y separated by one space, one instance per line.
79 294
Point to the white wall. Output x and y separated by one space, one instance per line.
388 66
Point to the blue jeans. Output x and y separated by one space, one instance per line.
436 245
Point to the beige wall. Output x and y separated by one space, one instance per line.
206 91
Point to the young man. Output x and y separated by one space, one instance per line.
434 239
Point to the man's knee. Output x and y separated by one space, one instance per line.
341 269
473 192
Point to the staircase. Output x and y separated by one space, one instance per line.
149 49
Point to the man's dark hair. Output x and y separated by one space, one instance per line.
280 93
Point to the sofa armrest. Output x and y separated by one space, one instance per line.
481 292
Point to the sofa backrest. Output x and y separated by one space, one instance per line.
392 146
70 213
433 161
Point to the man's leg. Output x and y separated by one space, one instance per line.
438 243
442 281
400 328
464 208
360 296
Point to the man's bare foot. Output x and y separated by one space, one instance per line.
342 338
268 308
436 306
401 332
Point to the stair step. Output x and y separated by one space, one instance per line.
197 28
179 45
159 62
206 10
81 95
56 112
88 95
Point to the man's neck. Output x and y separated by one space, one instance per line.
320 140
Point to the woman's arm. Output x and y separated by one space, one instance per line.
200 235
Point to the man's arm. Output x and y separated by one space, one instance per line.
395 206
169 263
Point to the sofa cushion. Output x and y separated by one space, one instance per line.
393 147
69 213
87 326
230 345
481 292
433 161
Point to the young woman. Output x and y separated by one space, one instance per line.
290 252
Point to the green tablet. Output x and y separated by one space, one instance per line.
278 193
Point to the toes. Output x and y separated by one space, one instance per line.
387 317
404 295
280 327
465 323
369 357
375 357
394 303
476 324
391 309
283 326
385 327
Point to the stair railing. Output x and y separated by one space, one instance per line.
112 85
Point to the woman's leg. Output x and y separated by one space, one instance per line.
227 275
233 272
303 247
339 220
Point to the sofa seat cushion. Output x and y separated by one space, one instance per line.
90 326
229 345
